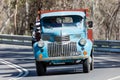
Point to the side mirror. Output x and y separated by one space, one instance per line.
31 26
90 24
37 24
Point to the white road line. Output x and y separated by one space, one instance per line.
22 71
114 78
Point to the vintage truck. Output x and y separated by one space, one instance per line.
63 37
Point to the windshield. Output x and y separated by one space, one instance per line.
61 21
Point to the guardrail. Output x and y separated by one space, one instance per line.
107 46
99 45
15 39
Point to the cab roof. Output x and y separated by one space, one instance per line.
49 13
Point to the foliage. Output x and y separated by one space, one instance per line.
106 17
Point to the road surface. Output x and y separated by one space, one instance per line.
17 63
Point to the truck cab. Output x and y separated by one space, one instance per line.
62 37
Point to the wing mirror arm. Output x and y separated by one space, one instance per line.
37 24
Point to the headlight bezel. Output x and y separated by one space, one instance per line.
41 43
82 41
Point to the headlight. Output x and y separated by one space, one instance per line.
40 43
82 41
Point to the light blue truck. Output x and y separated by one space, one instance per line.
61 37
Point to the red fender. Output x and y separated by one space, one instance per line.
90 34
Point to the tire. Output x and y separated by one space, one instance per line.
40 68
92 63
86 66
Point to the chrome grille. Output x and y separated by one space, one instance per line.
59 49
62 38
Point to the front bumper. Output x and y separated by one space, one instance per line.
64 58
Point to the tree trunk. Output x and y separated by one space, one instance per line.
15 18
27 14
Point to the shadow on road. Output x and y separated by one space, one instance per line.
61 70
25 58
107 60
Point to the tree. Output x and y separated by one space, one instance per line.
16 15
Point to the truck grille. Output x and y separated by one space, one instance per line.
62 38
60 50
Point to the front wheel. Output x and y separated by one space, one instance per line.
40 68
86 66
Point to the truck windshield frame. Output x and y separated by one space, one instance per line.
61 21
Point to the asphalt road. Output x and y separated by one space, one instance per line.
17 62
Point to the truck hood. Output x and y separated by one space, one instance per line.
63 31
